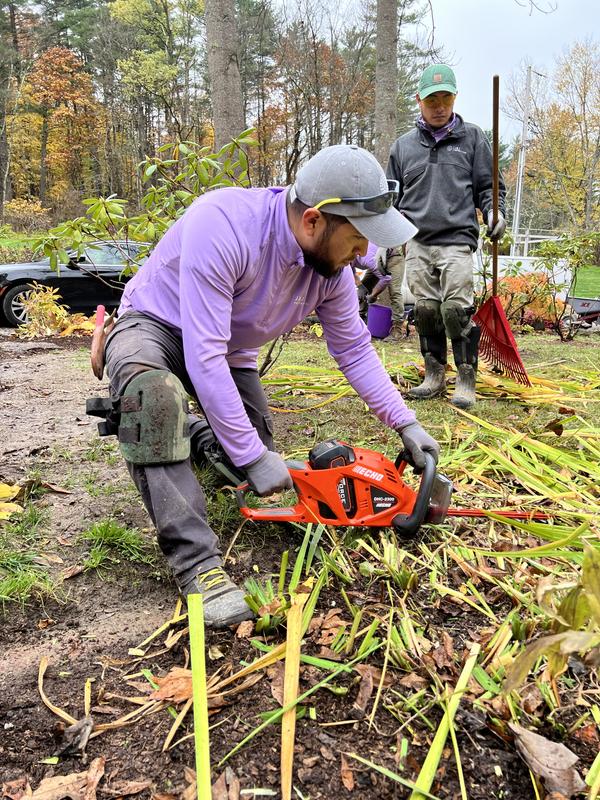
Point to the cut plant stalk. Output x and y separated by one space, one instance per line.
290 691
201 735
430 765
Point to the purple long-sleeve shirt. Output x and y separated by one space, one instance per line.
231 277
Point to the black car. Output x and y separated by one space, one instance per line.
86 281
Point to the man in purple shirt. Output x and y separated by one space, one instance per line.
241 267
384 269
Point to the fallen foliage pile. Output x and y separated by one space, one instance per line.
46 316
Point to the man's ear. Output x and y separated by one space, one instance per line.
311 221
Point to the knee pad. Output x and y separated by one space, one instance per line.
153 427
428 318
457 319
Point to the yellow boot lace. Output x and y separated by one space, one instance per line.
213 578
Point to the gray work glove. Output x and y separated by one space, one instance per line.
418 442
268 474
371 298
496 232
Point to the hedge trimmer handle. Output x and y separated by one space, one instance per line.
407 525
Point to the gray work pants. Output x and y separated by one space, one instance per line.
436 272
171 493
396 266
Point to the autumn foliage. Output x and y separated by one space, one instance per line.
55 128
529 299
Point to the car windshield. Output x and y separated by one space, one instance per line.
100 253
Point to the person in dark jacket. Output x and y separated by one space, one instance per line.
444 168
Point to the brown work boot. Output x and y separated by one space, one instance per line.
397 331
223 601
434 383
464 393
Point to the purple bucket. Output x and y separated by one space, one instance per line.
379 321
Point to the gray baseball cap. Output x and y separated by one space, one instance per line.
348 172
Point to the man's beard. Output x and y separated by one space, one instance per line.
319 259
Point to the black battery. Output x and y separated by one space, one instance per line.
331 454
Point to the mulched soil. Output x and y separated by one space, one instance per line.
87 635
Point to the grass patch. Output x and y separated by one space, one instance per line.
96 488
587 283
112 542
102 450
22 577
26 527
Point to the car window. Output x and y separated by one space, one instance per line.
103 255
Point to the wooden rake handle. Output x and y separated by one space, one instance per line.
495 178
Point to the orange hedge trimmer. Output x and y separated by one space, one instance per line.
351 486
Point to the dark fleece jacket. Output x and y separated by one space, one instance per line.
442 185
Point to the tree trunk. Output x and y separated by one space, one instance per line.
386 78
43 165
4 167
224 71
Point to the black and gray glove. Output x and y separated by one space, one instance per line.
268 474
418 442
496 232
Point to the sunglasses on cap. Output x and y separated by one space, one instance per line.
377 204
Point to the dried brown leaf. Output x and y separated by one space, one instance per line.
94 775
219 789
70 572
531 699
17 789
270 608
346 774
551 761
245 629
226 787
276 675
76 786
589 735
327 753
443 654
365 690
128 788
413 681
376 673
175 686
329 654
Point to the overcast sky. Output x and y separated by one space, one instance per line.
494 37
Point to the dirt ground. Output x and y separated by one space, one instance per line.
88 631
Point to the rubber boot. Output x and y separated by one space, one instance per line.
433 349
465 350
